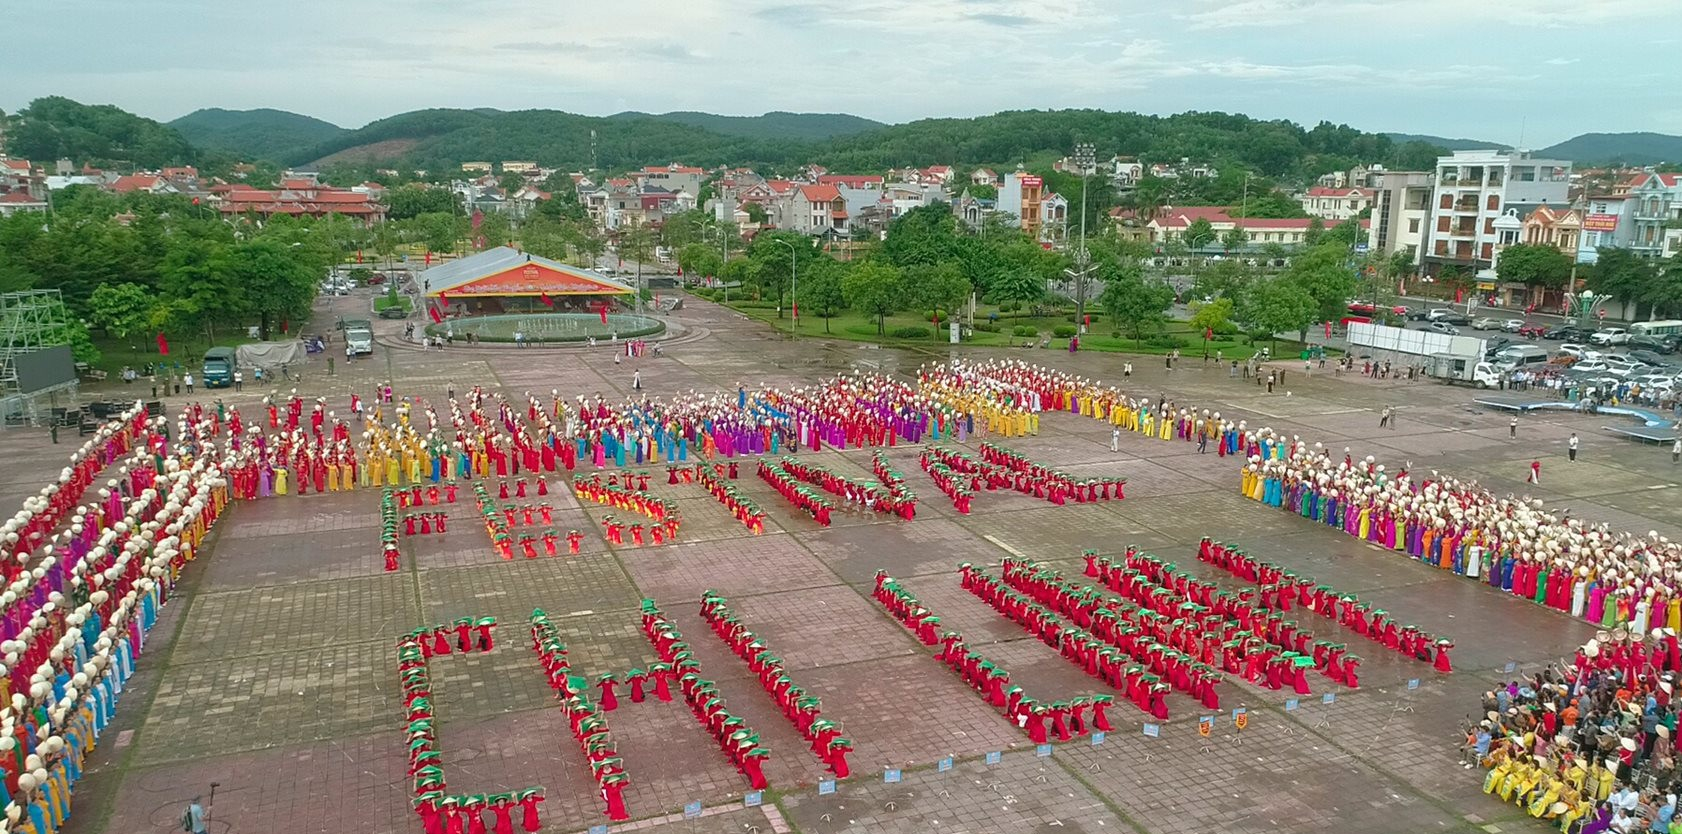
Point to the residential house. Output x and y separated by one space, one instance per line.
1128 226
475 167
13 202
674 177
1124 171
903 197
148 183
1606 223
855 181
936 175
1655 202
973 211
984 176
518 167
1336 205
1021 195
18 176
1054 219
1473 188
1558 226
816 209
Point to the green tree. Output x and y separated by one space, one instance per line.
1198 234
1210 316
937 287
1535 265
1132 302
278 284
1278 305
1316 230
1223 279
925 235
411 201
875 288
820 290
699 260
756 213
1323 273
1234 240
1622 274
122 309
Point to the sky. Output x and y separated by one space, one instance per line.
1524 72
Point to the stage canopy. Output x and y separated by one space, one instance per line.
506 271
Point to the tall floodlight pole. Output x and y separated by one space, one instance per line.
794 307
1085 161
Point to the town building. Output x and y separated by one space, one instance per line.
1655 201
18 176
518 167
855 181
673 177
1171 223
1401 213
1021 195
973 211
984 177
816 209
1471 190
503 279
1606 223
1336 205
475 167
300 195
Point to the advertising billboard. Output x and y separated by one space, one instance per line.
1600 223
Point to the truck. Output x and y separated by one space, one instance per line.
220 363
1453 367
359 340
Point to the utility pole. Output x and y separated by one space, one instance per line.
794 307
1085 160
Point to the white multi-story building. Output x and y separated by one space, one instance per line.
1472 189
1401 212
1655 200
1336 204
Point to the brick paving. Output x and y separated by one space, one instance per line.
275 672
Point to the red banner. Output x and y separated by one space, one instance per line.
437 317
163 344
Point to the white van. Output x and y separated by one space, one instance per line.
1519 356
1663 327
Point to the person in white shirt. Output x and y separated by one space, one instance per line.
1571 448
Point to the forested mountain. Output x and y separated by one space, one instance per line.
445 138
1627 148
773 125
55 127
1442 142
258 134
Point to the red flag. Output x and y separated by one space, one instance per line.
429 257
547 301
1208 333
163 344
680 270
437 317
195 201
359 256
604 314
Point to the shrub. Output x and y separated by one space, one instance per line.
912 332
1167 342
1225 328
1024 330
1064 331
986 327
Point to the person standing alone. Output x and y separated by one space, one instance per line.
1571 448
1512 428
636 380
1115 439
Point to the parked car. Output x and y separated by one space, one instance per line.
1577 351
1651 358
1417 315
1662 383
1491 345
1512 325
1656 344
1532 331
1609 336
1563 332
1591 366
1623 365
1442 327
1451 317
1485 323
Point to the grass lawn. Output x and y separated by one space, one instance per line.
853 326
187 353
401 302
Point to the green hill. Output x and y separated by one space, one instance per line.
54 127
254 134
1441 142
773 125
446 138
1627 148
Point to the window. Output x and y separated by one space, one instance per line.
1494 202
1413 226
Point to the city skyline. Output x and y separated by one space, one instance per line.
1471 70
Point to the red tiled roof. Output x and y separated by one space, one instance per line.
134 182
20 197
819 193
850 180
1320 191
779 186
16 164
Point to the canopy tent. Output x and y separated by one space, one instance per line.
507 272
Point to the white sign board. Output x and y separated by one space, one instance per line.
1412 342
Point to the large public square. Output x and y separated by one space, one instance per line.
274 674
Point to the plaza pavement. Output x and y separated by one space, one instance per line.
274 673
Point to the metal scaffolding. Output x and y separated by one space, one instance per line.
32 320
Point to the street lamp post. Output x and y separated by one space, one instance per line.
1086 161
794 307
